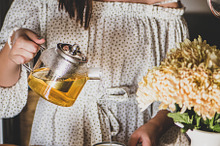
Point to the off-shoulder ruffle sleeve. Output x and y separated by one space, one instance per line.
22 13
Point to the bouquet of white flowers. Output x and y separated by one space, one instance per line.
188 83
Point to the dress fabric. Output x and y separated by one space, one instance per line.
124 40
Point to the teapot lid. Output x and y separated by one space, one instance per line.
71 53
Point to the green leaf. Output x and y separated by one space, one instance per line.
191 120
180 117
198 121
206 121
216 128
183 130
217 116
187 127
211 123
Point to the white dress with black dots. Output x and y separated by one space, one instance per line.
124 40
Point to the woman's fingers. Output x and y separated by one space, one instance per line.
134 140
34 37
25 46
21 56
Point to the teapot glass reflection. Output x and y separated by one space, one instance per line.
59 74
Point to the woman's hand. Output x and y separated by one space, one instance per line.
146 134
25 45
150 133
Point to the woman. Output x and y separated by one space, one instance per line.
124 38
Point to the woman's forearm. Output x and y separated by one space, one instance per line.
9 71
162 121
150 133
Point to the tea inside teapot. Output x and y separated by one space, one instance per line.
60 91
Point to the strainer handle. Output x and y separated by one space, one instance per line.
42 48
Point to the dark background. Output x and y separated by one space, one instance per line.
200 22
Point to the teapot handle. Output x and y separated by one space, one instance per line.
26 66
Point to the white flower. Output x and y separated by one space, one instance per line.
189 77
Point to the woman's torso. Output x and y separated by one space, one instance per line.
124 40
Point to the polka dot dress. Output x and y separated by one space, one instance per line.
124 40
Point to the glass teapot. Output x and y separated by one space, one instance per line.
60 78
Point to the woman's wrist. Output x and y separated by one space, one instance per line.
10 71
162 122
11 37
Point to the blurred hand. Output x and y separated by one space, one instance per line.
146 134
25 45
149 134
